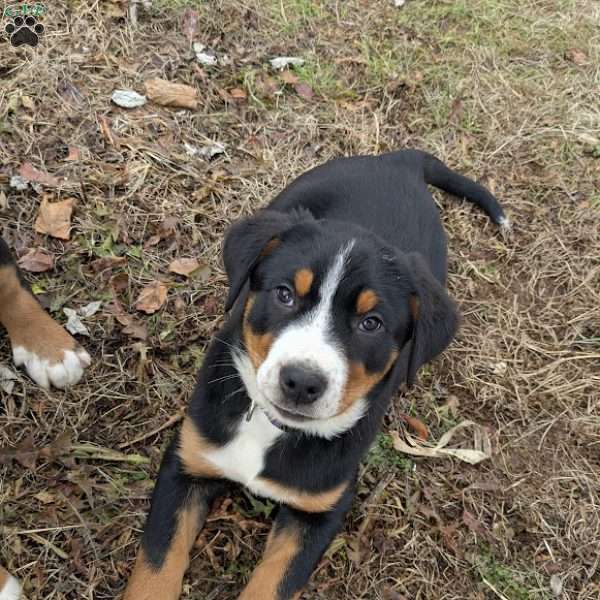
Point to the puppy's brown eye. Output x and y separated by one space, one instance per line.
370 324
285 295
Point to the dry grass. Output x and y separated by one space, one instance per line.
491 87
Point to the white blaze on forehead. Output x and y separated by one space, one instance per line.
310 341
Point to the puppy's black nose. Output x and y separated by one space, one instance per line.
300 384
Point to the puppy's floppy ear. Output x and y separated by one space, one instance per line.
250 239
435 317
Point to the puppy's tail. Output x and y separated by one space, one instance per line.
436 173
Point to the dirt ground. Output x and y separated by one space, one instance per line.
504 91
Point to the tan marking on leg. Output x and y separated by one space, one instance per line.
192 451
4 577
312 502
360 382
367 300
148 583
303 280
257 345
27 323
268 575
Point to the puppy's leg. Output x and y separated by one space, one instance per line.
180 504
9 586
295 546
49 353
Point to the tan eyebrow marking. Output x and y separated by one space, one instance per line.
367 300
303 281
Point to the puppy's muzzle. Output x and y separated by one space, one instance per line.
301 384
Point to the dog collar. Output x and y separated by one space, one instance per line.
272 420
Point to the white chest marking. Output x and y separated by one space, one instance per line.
243 458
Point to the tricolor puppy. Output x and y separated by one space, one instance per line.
48 353
337 297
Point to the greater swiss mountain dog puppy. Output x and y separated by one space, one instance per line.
48 353
337 297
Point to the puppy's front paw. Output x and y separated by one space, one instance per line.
48 353
46 370
9 586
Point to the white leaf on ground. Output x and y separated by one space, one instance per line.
556 584
404 442
205 152
3 201
499 368
18 183
399 3
74 324
7 379
208 59
281 62
90 309
128 99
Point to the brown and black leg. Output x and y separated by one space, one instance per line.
294 548
50 355
180 504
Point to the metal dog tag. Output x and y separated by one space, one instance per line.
251 410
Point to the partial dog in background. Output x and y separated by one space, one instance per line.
48 353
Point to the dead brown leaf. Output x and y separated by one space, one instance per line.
136 329
304 91
167 228
119 282
289 77
455 110
416 425
54 218
238 94
184 266
131 326
167 93
26 454
36 261
391 594
74 154
107 262
107 132
152 297
29 172
577 56
189 24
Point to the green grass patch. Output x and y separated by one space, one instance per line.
508 581
382 455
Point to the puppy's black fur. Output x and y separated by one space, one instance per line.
389 314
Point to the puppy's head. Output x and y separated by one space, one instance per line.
328 311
